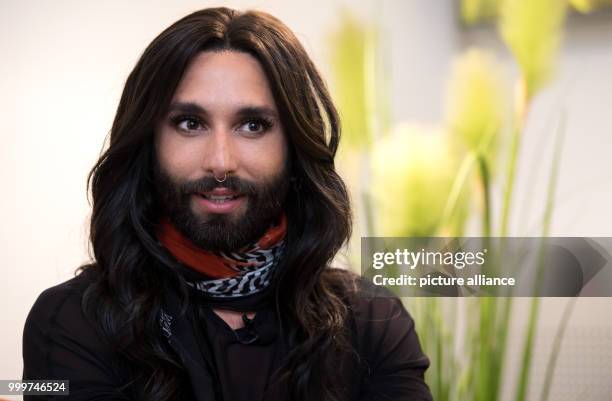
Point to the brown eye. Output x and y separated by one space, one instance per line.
255 126
187 123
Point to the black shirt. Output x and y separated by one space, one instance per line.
239 359
59 342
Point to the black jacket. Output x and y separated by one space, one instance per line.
59 342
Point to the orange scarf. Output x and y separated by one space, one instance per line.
209 263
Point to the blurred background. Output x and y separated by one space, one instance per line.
487 117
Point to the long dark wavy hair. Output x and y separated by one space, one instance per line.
131 270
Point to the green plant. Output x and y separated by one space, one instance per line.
414 180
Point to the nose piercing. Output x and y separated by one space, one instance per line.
223 180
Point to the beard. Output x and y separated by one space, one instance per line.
222 232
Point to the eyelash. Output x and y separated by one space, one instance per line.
265 123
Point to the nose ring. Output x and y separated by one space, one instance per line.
223 180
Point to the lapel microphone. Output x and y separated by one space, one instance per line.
263 334
248 322
249 335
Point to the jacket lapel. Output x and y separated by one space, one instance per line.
178 331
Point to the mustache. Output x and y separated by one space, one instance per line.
208 183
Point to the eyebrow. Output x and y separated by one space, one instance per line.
243 111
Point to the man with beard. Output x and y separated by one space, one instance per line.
217 211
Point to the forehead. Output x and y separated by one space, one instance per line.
224 78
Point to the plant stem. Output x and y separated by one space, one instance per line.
554 352
519 126
484 176
455 193
531 330
516 138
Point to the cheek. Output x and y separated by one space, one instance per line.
267 157
176 157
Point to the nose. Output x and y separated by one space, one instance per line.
219 157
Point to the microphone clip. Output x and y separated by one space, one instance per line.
249 335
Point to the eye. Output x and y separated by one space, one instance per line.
187 123
256 125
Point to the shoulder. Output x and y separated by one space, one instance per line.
57 333
376 309
52 297
61 302
367 301
55 302
383 329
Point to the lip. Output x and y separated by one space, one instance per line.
219 206
220 191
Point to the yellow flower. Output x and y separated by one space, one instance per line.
477 110
584 6
532 30
413 170
353 48
473 11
